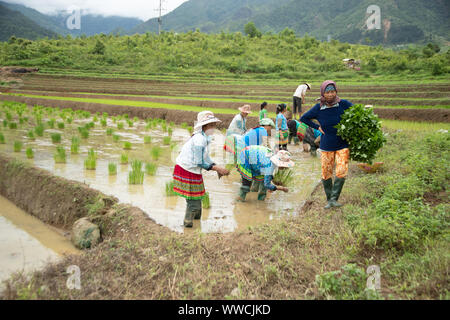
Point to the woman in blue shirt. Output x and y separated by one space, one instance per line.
334 149
281 127
257 164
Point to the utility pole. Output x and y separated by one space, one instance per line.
160 9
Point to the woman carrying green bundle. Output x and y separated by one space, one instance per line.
334 149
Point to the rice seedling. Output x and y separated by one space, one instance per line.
166 141
127 145
91 162
29 152
84 133
150 169
30 135
123 158
184 125
283 177
2 138
5 123
18 146
205 201
147 139
8 116
120 125
190 130
170 131
90 125
56 137
12 125
172 124
21 120
112 169
125 116
39 130
105 115
60 155
164 127
136 175
51 123
103 122
69 120
95 119
75 146
169 189
130 123
135 119
61 125
109 131
116 137
155 152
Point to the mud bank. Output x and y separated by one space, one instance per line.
56 201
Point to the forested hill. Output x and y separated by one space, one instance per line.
402 21
15 23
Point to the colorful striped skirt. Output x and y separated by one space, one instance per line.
187 184
282 136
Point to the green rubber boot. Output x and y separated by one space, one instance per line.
243 193
196 207
336 192
328 186
262 192
189 217
254 187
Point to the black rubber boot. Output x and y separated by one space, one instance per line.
336 192
197 209
328 187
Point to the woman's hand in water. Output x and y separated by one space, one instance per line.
284 189
221 171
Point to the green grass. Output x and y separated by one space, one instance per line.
112 169
414 126
29 152
136 175
91 162
18 146
56 137
150 169
60 155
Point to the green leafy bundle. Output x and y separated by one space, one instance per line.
361 128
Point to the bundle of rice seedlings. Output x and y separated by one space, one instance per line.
56 137
39 130
166 141
120 125
169 189
12 125
18 146
123 158
91 162
2 138
112 169
75 146
136 175
60 155
283 177
127 145
29 152
205 201
109 131
60 125
116 137
150 169
155 152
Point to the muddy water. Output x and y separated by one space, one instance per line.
26 243
224 215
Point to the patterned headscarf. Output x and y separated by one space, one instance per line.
324 85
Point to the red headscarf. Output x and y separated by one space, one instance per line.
322 92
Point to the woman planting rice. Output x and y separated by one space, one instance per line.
194 156
334 149
257 165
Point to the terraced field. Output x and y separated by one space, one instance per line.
413 102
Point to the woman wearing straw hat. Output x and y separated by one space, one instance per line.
194 156
257 164
333 148
238 124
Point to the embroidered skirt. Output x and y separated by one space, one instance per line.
187 184
282 136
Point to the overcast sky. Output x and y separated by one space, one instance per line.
143 9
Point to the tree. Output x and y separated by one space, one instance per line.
99 48
251 30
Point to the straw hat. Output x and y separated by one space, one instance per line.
203 118
246 109
282 159
309 86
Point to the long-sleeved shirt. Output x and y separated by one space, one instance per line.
254 161
328 117
194 155
237 125
256 136
283 121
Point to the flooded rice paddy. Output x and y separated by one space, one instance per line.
224 214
